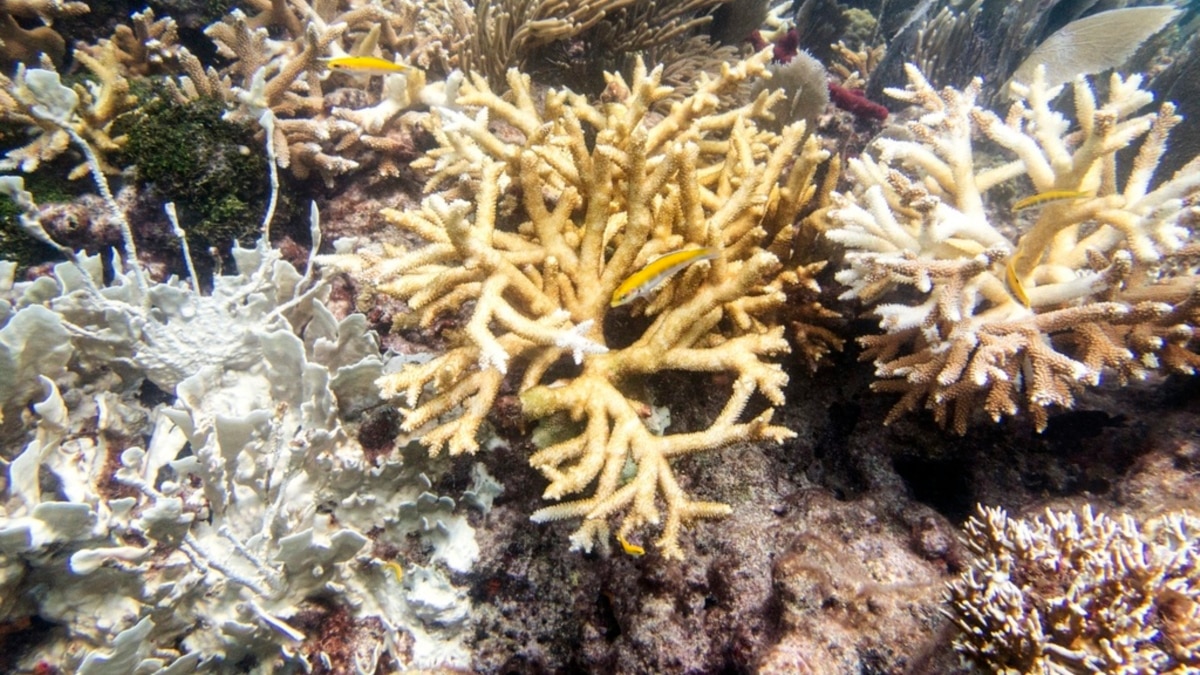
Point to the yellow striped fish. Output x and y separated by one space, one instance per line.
644 281
1049 196
1014 283
364 65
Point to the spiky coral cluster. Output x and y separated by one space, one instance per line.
1007 316
1080 593
92 112
558 220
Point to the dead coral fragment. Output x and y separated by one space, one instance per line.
557 222
1011 322
1080 593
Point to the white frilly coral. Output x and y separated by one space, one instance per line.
199 534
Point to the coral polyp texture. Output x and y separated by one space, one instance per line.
1080 592
539 211
1011 313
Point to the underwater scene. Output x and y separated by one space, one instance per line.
611 336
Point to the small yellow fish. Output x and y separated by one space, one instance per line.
1049 196
364 65
644 281
395 569
1014 283
631 549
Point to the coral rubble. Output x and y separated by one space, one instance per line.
555 223
1019 316
1080 592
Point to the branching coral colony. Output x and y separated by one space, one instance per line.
557 222
1009 318
1070 593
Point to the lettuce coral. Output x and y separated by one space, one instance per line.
247 502
1009 313
566 200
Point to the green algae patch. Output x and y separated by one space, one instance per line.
211 168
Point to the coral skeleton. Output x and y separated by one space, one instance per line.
555 223
1019 313
1080 592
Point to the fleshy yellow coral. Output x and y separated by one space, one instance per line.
1007 316
567 200
1086 593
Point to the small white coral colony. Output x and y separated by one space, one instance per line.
1080 593
1009 316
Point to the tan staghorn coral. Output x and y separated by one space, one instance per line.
1080 593
567 201
327 124
1019 312
19 44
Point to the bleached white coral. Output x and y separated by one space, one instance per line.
204 546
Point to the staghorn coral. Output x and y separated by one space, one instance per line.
556 223
26 45
329 124
1070 592
1012 316
854 67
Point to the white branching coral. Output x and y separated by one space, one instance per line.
1068 592
556 222
1020 315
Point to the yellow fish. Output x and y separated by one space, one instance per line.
631 549
1049 196
395 569
364 65
1014 283
644 281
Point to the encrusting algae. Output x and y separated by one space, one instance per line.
555 225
